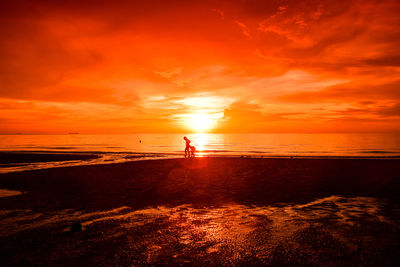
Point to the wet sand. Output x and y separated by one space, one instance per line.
7 157
218 211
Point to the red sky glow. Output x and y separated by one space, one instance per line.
150 66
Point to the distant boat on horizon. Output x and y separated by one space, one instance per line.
73 133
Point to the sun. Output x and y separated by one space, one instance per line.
201 122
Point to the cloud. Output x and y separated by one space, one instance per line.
137 65
349 92
245 30
219 12
386 60
389 111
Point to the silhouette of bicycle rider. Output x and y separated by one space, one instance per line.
192 152
187 148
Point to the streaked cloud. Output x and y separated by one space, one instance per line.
131 66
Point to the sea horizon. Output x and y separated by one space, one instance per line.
212 144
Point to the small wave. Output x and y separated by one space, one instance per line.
9 193
215 151
378 152
51 147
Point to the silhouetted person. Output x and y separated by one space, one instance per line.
192 151
187 148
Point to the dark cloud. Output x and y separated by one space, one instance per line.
387 60
393 110
348 93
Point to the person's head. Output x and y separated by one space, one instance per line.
184 138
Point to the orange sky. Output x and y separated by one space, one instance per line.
251 66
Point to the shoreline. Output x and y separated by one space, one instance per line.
83 154
17 161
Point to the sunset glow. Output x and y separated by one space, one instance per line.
201 122
153 66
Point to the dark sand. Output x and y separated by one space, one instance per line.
218 211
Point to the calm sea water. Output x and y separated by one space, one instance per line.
353 145
122 148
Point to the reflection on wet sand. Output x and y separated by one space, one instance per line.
307 233
9 193
98 158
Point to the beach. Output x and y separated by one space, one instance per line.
202 211
200 133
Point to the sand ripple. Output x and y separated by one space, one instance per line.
328 225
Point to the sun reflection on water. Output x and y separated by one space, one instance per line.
201 142
206 143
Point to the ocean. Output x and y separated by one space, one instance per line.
346 145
